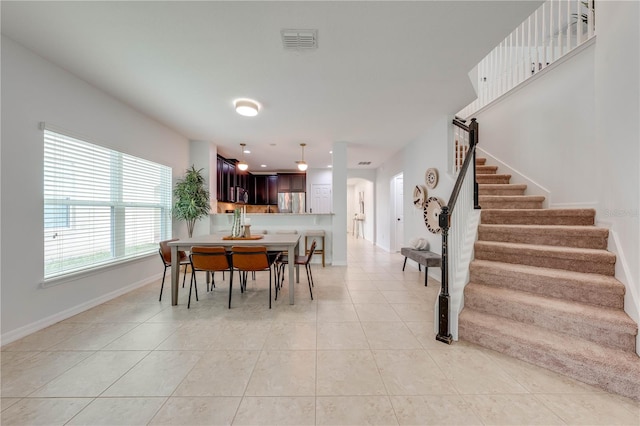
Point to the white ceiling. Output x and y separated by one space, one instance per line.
383 71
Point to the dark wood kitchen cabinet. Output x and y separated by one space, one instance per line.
266 189
292 182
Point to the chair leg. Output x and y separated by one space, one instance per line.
184 277
276 276
193 277
309 280
162 286
404 264
230 286
269 288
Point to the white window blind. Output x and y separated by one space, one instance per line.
100 206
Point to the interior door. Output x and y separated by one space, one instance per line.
320 198
399 212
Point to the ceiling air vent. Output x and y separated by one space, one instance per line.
364 163
299 39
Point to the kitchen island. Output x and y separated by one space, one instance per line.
220 223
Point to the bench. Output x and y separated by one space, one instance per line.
422 257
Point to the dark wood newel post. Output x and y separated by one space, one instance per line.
443 299
473 141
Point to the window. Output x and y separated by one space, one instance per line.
100 206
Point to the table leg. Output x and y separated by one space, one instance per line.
426 274
292 257
175 274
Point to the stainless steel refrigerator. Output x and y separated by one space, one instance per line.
292 202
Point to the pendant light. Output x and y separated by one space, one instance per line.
242 165
302 166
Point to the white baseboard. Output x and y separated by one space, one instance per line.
25 330
623 274
533 187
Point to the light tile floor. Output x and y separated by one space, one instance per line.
362 352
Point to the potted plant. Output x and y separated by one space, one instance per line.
191 198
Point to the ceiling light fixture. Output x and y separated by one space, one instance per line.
247 107
242 165
302 166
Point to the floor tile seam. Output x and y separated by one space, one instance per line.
100 395
246 386
63 372
83 408
538 396
54 344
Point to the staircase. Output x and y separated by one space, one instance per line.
542 289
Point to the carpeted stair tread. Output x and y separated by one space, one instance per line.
556 235
569 258
538 216
493 178
480 161
486 170
594 289
501 189
610 369
511 201
607 326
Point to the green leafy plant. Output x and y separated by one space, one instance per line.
191 198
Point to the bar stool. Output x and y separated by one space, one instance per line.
314 233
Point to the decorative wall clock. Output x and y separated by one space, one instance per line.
431 178
419 196
432 209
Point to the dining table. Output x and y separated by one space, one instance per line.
273 242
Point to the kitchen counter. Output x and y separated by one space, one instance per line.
275 222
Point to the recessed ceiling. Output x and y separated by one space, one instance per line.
381 74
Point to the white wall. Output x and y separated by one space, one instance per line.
574 129
617 112
384 203
33 91
546 131
428 151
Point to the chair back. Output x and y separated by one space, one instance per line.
165 252
209 258
311 250
250 258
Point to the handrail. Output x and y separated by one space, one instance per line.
472 128
444 334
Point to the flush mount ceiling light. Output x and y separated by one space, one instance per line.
242 165
246 107
302 166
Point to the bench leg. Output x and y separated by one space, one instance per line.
426 274
404 264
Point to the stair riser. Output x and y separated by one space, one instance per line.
500 191
543 238
545 286
559 322
511 204
591 374
493 178
480 161
486 170
549 260
543 218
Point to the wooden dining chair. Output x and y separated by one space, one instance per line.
209 259
247 259
165 255
299 260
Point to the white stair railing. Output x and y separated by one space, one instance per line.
552 31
